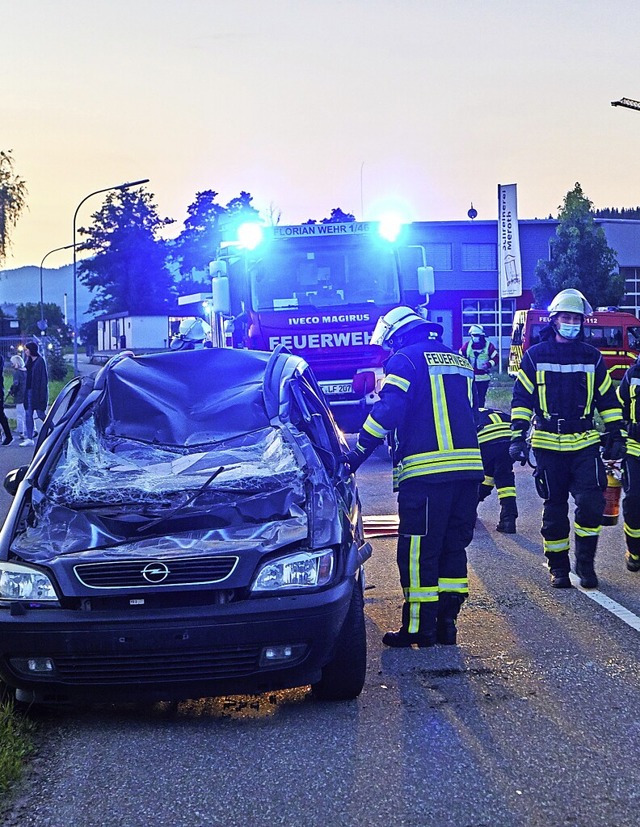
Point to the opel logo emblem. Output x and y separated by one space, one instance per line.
155 572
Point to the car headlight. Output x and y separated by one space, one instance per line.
298 571
22 583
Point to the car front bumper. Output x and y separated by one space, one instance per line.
175 654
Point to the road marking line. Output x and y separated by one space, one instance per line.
607 603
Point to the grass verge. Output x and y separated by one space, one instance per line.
16 742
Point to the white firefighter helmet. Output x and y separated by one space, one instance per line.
476 330
570 301
399 319
192 332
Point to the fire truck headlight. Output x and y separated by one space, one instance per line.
250 235
390 226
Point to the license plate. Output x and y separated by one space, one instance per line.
336 388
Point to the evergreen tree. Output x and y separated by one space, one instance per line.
580 257
127 271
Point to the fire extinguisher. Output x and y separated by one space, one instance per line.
612 492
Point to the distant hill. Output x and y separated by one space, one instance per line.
22 285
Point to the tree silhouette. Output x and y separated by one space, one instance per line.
13 193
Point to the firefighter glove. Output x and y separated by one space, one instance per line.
518 450
353 460
613 446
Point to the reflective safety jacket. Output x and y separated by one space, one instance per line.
486 355
492 425
559 387
629 396
425 406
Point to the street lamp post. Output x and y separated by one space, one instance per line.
74 245
42 324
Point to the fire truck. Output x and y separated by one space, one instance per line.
614 332
318 290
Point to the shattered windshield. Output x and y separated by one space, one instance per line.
108 489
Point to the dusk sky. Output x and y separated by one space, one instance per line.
360 104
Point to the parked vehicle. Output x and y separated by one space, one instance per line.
185 529
614 332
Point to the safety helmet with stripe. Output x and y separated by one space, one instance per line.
400 320
570 301
476 330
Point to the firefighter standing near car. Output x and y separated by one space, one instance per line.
494 436
425 407
629 396
562 381
483 357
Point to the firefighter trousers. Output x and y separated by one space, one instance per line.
631 503
436 526
498 471
579 473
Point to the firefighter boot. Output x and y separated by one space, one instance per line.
632 561
423 638
585 555
448 609
508 514
559 568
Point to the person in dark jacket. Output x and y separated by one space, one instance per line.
4 422
494 436
425 407
629 396
37 388
562 381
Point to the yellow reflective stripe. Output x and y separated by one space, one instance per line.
564 442
440 462
583 531
507 491
440 412
554 546
374 428
397 381
454 584
427 594
521 413
488 481
611 415
470 389
632 532
542 392
524 380
591 380
605 385
414 581
633 448
491 432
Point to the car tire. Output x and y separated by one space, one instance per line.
343 677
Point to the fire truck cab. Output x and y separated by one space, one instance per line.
614 332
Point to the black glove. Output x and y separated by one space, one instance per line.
353 460
614 446
519 450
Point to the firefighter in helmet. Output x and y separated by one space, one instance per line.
425 407
629 396
494 436
193 334
483 357
562 381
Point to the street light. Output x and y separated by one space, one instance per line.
42 324
75 279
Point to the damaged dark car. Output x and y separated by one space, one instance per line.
185 529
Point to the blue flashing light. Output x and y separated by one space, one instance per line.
250 235
390 226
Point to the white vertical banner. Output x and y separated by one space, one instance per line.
509 264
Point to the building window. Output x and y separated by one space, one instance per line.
485 313
631 300
439 256
480 257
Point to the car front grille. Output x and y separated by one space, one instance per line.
105 669
147 573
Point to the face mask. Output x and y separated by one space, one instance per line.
569 331
476 339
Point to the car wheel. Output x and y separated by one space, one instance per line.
343 677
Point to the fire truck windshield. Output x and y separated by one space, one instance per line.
286 277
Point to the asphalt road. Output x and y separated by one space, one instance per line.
531 720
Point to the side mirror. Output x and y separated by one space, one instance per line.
426 281
14 478
220 296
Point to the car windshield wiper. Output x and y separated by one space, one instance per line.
188 501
